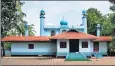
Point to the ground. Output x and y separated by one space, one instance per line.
54 61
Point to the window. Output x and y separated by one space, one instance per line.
63 31
84 44
62 44
52 33
30 46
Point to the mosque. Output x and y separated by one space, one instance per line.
62 40
46 30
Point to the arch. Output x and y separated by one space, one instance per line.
53 32
72 30
63 31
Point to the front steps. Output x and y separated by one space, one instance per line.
75 56
97 55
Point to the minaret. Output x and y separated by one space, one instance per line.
98 30
26 29
84 20
42 17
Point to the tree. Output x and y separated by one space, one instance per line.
113 6
93 18
7 17
113 22
107 25
31 30
12 19
12 22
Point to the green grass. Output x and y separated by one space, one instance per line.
77 60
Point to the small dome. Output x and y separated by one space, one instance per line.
42 10
63 22
98 25
84 12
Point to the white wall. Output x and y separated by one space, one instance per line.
102 46
38 47
91 46
62 49
47 32
89 49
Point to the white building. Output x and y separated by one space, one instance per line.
59 40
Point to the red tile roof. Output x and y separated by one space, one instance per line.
73 35
66 35
26 38
104 38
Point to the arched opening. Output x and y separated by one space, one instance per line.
72 30
53 32
63 31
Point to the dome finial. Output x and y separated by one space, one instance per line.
42 10
84 12
63 17
63 22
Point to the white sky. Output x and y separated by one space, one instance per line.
55 10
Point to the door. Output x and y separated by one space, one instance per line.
74 45
96 46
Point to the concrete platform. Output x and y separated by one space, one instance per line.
54 61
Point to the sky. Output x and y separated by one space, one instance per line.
55 10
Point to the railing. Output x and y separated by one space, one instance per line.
67 55
51 26
76 26
82 54
58 26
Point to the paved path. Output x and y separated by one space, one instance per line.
54 61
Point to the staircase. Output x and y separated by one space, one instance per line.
75 56
98 55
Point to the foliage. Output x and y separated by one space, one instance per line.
12 23
113 22
113 6
31 30
7 16
112 1
93 18
7 45
12 19
107 23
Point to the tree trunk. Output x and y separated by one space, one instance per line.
2 45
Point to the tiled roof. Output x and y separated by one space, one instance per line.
73 35
66 35
26 38
104 38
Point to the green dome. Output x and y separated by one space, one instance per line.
63 22
42 10
84 12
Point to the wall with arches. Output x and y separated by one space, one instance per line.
47 32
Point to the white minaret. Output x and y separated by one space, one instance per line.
42 17
98 29
26 29
84 20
